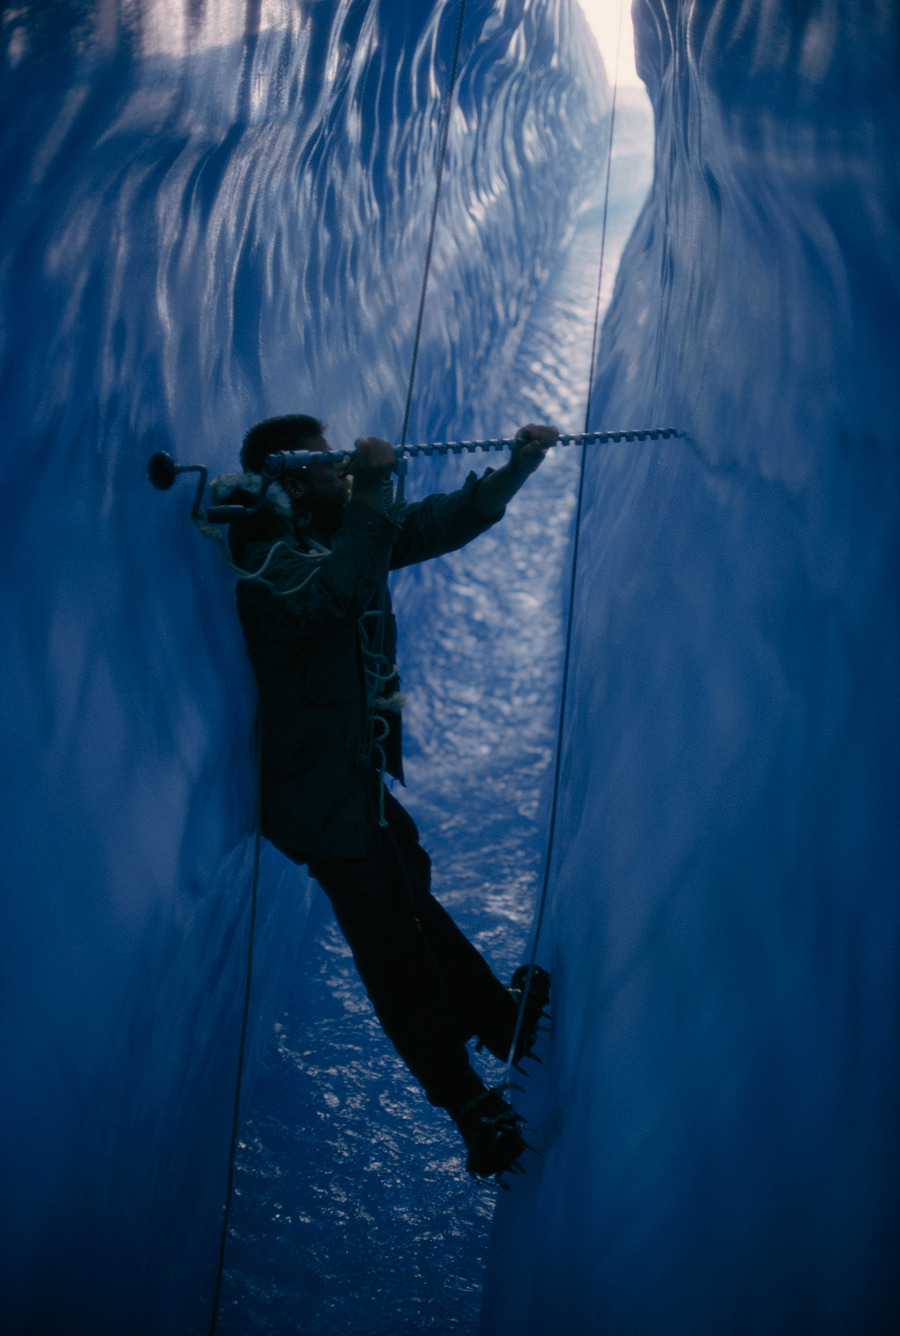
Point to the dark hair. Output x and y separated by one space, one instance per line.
278 433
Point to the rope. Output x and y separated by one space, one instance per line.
542 901
254 895
437 194
612 123
210 531
314 559
377 671
375 662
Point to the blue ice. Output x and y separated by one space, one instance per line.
214 212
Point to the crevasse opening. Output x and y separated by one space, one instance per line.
217 212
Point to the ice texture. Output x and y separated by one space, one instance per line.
211 213
216 211
719 1119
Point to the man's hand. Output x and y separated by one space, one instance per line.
496 489
536 440
371 464
372 455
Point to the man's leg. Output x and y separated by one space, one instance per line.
399 971
375 902
484 1006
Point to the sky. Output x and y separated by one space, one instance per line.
603 16
165 28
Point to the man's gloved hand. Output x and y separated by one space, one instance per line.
495 490
535 439
371 465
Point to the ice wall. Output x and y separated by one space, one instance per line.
719 1123
211 212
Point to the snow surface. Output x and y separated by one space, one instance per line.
213 212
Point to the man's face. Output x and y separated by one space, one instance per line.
320 486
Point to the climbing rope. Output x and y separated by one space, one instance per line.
612 126
377 667
434 208
235 1120
314 559
542 899
378 672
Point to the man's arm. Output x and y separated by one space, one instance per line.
496 490
301 596
443 523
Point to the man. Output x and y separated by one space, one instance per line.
322 639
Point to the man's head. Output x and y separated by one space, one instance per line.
295 431
320 489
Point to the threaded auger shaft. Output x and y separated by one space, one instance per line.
282 460
507 442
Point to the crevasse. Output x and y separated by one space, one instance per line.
212 211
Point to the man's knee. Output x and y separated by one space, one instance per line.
368 896
403 835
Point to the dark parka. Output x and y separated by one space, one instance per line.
305 644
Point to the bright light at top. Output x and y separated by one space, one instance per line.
603 18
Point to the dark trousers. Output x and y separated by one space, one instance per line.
431 989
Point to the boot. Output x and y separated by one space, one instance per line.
490 1129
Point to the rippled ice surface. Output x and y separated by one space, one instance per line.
215 211
355 1213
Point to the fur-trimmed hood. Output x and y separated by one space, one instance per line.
269 515
246 489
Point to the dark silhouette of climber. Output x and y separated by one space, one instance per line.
322 641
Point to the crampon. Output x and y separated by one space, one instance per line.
491 1129
534 1008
